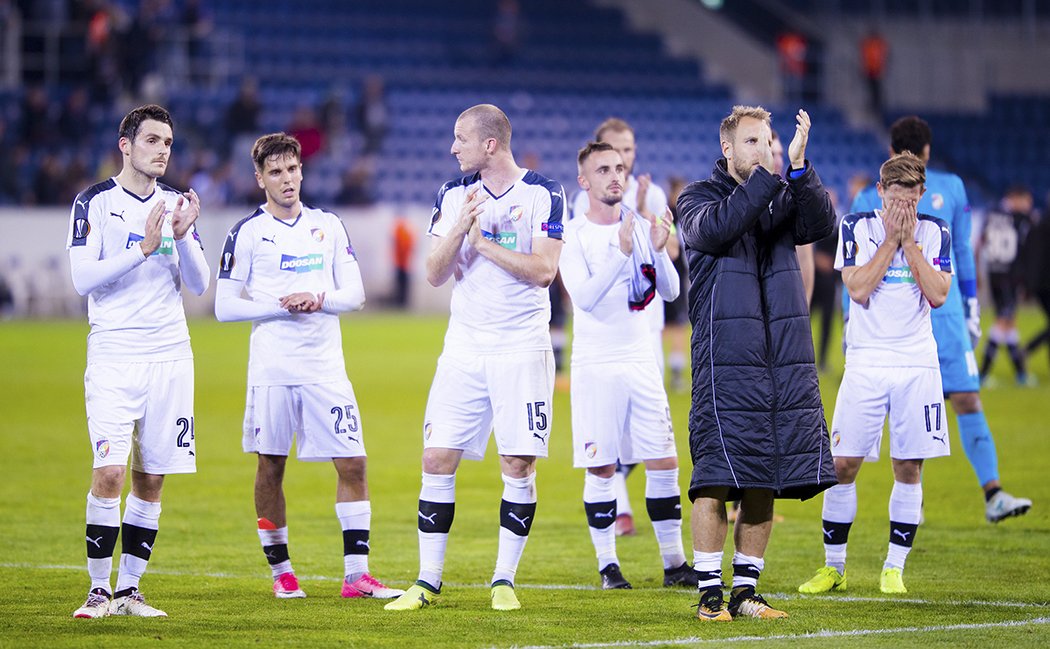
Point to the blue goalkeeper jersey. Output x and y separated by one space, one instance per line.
945 198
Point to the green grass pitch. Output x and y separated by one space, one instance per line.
971 583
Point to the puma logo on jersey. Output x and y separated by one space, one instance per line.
429 519
520 520
353 439
903 535
270 240
542 438
97 541
363 543
608 514
119 216
940 439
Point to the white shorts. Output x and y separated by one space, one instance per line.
510 394
619 412
914 400
143 411
323 417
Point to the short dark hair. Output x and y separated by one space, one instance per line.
1018 190
275 144
614 124
911 134
590 148
132 122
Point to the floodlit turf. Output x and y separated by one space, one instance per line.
970 583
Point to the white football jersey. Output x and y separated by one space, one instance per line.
139 316
275 258
610 331
893 329
655 203
494 312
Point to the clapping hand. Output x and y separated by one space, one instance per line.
187 209
797 148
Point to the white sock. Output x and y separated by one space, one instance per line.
838 514
597 493
141 518
103 527
355 518
623 501
662 486
746 570
708 567
519 495
441 491
905 512
276 540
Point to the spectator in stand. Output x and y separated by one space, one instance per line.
357 185
38 113
371 115
873 54
242 115
198 23
793 50
306 127
506 32
75 119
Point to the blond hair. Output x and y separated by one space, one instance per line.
904 169
727 129
614 124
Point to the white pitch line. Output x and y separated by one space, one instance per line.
797 636
524 586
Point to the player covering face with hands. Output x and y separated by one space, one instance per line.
896 265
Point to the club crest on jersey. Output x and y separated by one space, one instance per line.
590 449
81 228
304 264
102 448
516 212
937 200
167 244
317 234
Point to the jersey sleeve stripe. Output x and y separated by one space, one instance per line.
81 223
227 260
849 238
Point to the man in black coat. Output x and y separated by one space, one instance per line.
756 427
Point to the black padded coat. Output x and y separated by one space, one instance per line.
756 419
